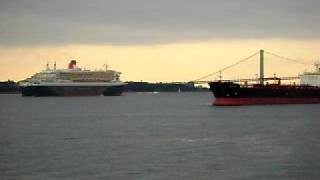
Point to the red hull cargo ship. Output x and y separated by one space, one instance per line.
229 93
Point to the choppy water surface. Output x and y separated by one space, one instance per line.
156 136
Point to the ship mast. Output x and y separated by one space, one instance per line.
48 68
317 66
106 67
261 67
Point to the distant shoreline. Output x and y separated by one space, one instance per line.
11 87
162 87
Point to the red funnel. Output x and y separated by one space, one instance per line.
72 64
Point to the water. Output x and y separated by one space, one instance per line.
156 136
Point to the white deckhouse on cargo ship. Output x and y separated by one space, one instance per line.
311 78
73 82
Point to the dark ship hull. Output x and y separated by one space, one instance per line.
72 90
232 94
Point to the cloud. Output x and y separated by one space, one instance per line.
45 22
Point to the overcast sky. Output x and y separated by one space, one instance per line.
54 22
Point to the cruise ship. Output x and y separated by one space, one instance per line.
73 81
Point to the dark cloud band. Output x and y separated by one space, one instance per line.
38 22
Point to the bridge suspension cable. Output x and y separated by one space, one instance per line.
228 67
286 58
246 59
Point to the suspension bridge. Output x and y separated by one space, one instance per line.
261 79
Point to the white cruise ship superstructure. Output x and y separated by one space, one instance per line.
73 81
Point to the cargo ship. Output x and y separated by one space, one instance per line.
231 93
73 81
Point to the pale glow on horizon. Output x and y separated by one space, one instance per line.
175 62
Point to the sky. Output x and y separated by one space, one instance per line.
157 40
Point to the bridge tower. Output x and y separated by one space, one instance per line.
261 67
